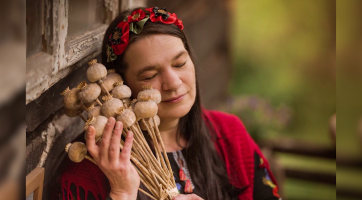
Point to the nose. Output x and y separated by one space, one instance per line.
170 80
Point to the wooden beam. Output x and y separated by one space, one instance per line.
313 176
50 101
348 193
349 162
34 183
300 148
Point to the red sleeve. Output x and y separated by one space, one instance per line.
237 148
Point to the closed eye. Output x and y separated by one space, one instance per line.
181 65
149 78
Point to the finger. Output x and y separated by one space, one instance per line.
179 197
187 197
106 137
114 145
91 143
127 147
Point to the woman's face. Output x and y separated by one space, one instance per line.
163 62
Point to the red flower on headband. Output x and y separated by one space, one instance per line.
120 37
136 16
158 14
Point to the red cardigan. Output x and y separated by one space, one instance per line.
233 144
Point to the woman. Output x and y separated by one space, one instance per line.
211 154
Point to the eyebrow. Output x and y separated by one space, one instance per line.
179 54
148 68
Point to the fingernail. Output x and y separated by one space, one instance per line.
109 121
130 134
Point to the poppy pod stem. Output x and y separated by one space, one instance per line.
99 102
82 117
103 86
153 139
138 147
83 106
151 177
89 108
163 147
90 158
156 165
124 103
153 160
169 173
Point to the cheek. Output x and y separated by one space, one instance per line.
133 85
190 80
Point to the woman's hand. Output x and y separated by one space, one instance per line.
187 197
122 176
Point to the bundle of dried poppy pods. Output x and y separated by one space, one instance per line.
106 96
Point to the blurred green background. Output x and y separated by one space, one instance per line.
284 83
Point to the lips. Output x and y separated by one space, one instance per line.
174 99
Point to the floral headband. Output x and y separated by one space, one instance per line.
119 39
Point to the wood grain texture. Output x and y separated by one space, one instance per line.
34 183
50 101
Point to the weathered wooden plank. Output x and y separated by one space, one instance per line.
311 176
79 47
348 193
300 148
355 163
68 130
50 101
34 183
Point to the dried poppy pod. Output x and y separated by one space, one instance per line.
126 102
126 116
145 108
71 113
121 91
98 122
157 120
70 99
77 151
93 111
149 91
111 78
89 104
89 92
96 71
110 106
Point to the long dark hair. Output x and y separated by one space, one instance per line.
208 171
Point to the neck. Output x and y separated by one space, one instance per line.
168 131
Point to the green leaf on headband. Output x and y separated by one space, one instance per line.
110 54
137 27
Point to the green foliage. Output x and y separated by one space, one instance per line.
284 55
282 52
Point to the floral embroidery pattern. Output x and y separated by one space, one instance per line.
183 171
267 181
